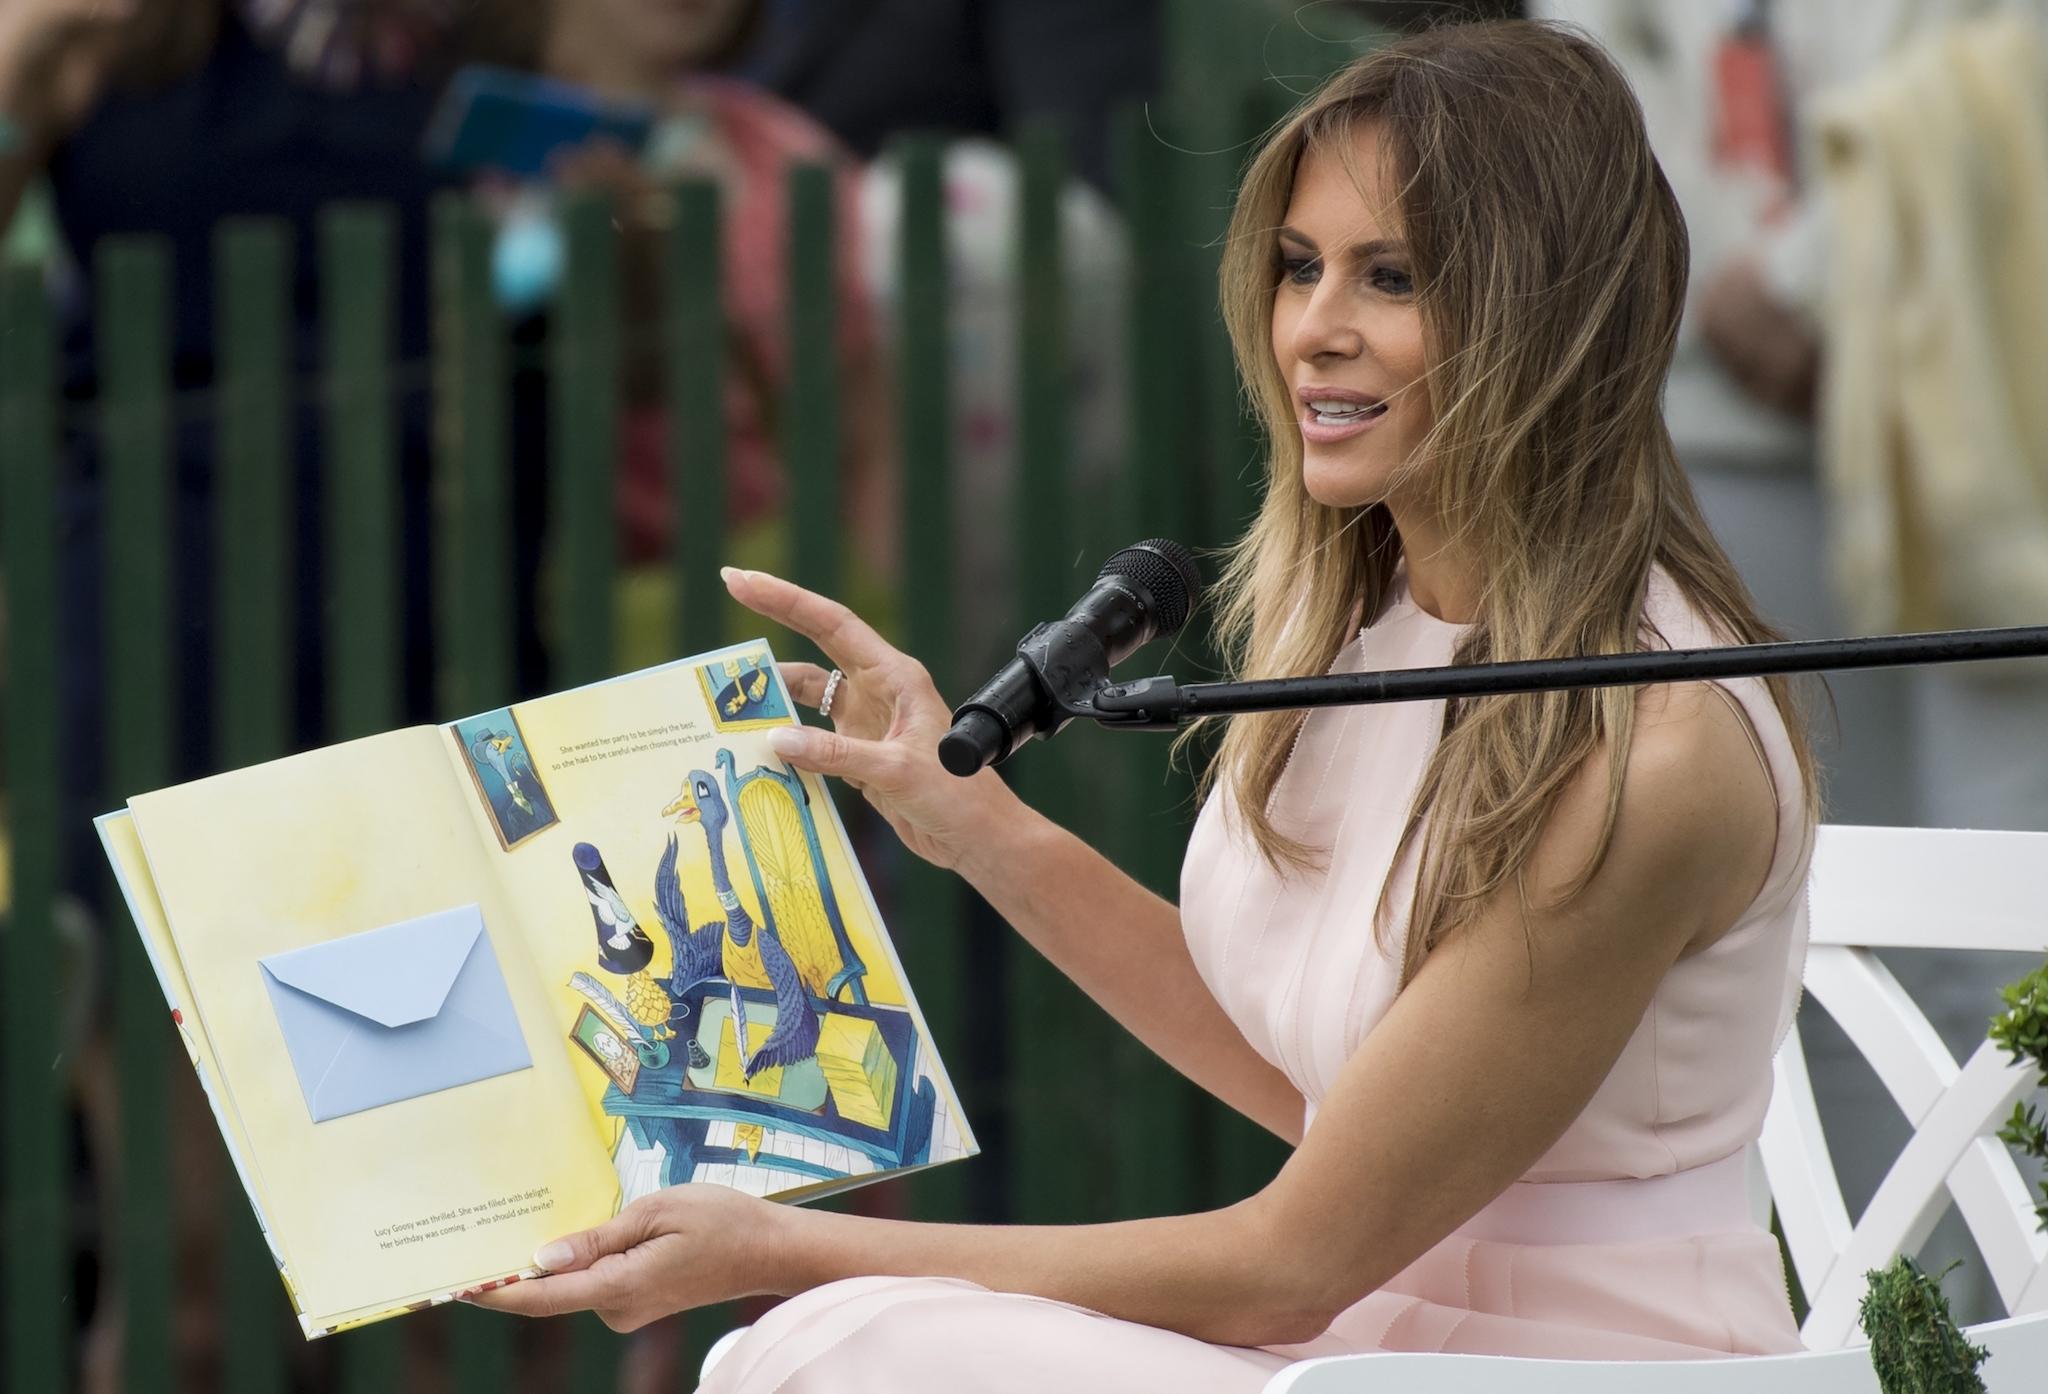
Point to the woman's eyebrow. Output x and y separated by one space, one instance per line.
1359 251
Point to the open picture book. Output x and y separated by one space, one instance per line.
454 991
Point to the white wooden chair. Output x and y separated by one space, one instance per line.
1871 888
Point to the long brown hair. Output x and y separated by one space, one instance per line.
1550 260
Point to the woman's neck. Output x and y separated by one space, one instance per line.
576 53
1441 580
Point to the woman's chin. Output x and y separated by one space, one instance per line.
1342 485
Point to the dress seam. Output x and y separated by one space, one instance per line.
1380 1341
1304 1048
1291 990
1657 1089
1225 977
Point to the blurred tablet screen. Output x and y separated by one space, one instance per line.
498 119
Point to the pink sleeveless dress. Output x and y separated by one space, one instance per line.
1630 1239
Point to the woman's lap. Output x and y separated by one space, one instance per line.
906 1335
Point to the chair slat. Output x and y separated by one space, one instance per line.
1917 888
1911 1196
1881 1020
1802 1171
1990 1192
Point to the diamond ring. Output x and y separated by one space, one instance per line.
831 689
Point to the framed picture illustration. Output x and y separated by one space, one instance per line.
743 693
602 1042
500 766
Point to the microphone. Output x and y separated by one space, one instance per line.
1144 592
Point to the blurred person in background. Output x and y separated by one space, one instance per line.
869 69
711 126
143 117
733 130
1737 96
981 194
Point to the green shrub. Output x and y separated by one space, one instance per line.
2022 1031
1915 1346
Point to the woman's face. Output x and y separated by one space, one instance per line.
677 33
1347 335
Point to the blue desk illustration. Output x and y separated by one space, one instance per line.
675 1107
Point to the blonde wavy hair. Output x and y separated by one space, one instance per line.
1550 259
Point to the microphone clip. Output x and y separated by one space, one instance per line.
1065 675
1149 704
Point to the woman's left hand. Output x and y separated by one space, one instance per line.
685 1246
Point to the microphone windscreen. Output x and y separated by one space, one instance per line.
1165 571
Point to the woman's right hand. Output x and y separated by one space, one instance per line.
55 57
887 719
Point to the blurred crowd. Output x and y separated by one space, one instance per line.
150 117
1855 393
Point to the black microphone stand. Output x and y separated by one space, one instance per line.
1161 704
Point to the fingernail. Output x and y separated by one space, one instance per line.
728 574
787 740
554 1254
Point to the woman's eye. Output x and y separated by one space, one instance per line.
1300 269
1392 281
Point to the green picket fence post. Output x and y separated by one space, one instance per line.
134 324
473 481
583 451
810 413
1060 1130
35 1269
361 613
474 618
928 915
583 447
1158 1107
694 370
361 562
252 696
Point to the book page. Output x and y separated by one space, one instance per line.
138 888
718 976
384 1040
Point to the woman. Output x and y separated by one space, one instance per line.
1522 1087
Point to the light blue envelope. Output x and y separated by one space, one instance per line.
392 1013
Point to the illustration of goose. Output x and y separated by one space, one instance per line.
795 1034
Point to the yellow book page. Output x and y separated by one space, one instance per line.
138 887
417 1195
620 769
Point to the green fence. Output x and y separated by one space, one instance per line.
1089 1125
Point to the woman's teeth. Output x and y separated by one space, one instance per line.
1338 413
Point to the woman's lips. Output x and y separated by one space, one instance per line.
1327 432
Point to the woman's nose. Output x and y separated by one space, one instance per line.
1324 329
